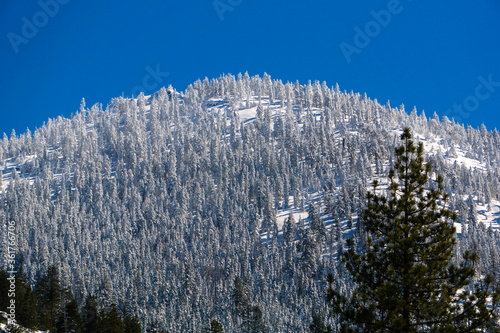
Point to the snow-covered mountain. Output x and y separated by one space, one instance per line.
176 204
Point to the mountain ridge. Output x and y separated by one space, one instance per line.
163 201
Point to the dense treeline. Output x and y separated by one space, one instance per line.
404 277
171 205
50 305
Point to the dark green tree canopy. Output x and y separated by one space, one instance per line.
405 279
215 327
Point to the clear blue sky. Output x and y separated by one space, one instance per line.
428 54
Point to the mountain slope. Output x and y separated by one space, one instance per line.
163 203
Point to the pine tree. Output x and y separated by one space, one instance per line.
4 290
132 323
111 321
241 298
26 315
25 301
404 279
90 315
318 325
69 318
48 293
215 327
155 327
256 321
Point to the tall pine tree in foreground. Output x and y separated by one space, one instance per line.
404 278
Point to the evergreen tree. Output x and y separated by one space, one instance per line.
90 315
215 327
74 321
241 298
69 318
256 321
405 280
4 290
48 293
111 321
26 308
26 304
132 324
318 325
155 327
180 198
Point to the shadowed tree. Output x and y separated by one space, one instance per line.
132 323
111 321
318 325
215 327
90 315
48 292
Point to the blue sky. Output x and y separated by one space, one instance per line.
439 56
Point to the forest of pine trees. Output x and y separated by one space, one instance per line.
224 207
50 305
404 278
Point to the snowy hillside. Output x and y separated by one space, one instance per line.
8 328
164 204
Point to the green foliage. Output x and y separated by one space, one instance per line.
48 294
132 324
26 304
404 278
318 325
241 297
54 308
253 319
256 321
111 321
69 319
90 315
215 327
26 308
4 290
